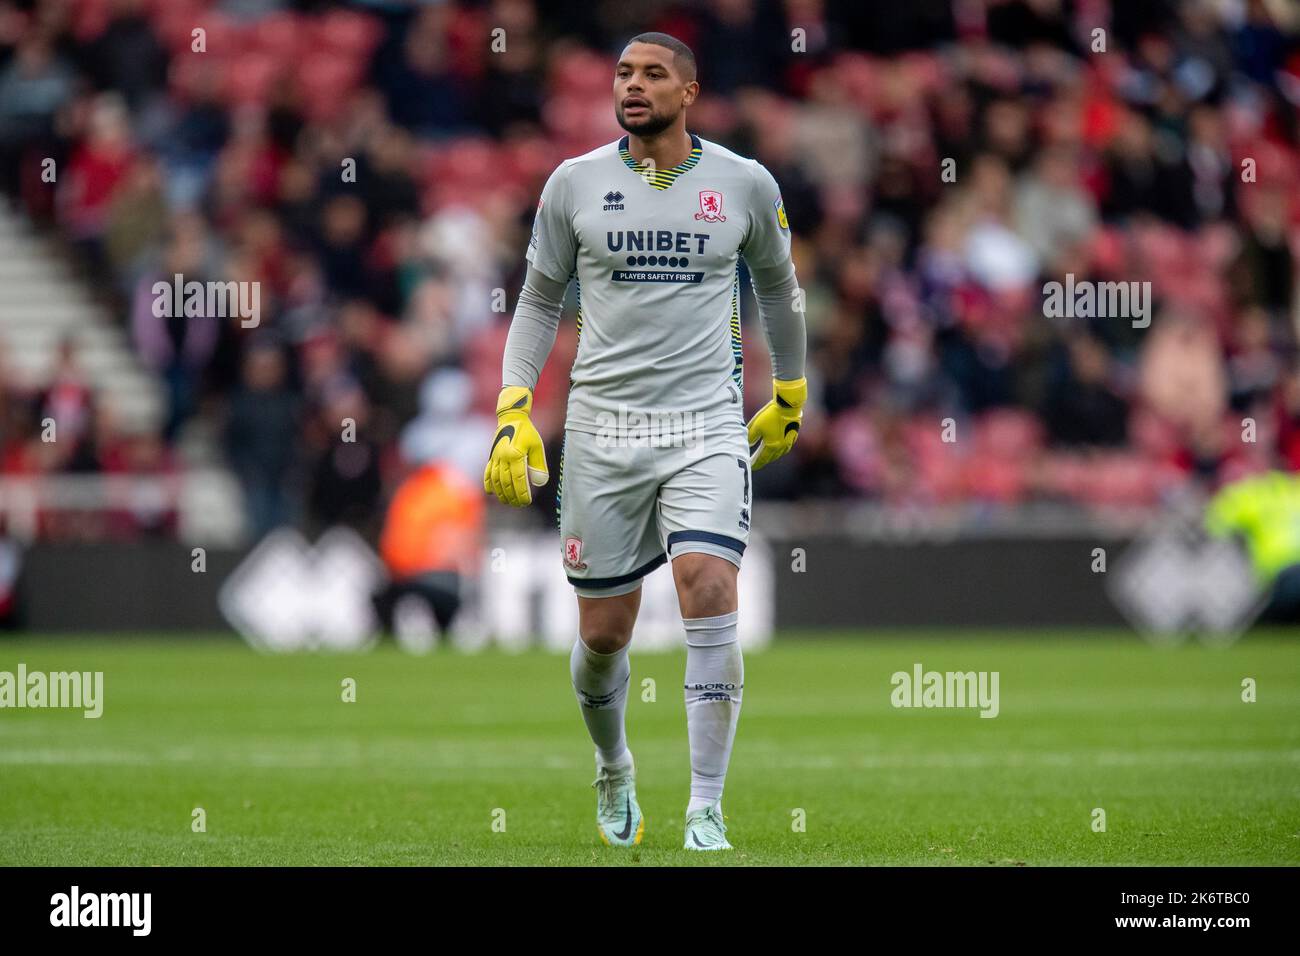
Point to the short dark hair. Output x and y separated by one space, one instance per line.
683 58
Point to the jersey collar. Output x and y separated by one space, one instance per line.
661 178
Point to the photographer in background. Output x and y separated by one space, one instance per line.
431 543
1264 510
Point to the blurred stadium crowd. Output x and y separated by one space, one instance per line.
925 293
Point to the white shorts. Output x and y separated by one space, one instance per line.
626 509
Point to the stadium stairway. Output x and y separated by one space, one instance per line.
42 303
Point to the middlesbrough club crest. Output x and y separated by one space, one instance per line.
573 554
710 206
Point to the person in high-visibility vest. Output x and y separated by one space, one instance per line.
432 540
1264 510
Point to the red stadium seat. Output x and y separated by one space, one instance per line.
250 76
281 35
346 32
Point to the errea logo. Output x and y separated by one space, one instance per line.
613 201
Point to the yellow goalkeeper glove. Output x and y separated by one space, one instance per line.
775 426
518 456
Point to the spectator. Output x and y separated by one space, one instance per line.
97 169
33 87
67 408
178 346
127 56
346 476
1083 405
260 430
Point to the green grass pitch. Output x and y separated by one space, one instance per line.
436 748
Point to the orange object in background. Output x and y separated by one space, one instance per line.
434 523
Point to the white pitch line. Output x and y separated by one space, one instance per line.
415 761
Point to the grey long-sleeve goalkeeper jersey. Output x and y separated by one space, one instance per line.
655 257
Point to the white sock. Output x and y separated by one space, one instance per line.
715 677
600 681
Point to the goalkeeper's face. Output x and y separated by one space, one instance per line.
649 93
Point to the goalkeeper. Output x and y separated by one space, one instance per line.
657 458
